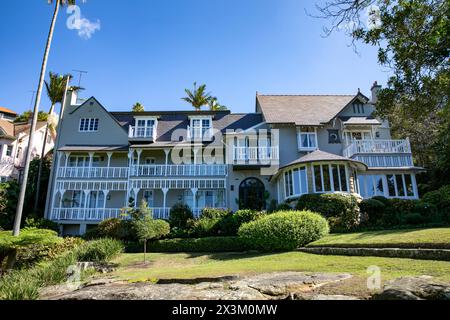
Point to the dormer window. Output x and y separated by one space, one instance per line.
200 129
145 128
307 139
358 108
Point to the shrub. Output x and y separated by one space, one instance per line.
441 199
40 223
100 250
429 212
284 231
413 219
232 225
372 210
214 244
205 227
213 213
116 229
179 216
284 207
342 207
149 229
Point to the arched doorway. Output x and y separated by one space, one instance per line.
251 194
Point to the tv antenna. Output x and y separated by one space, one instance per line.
81 72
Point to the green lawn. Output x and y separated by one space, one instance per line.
188 266
425 238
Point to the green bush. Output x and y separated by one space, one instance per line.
180 214
40 223
284 231
441 199
213 213
343 208
115 229
372 210
100 250
19 285
284 207
205 227
213 244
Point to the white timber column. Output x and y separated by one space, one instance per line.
86 202
196 150
414 183
136 193
109 154
165 192
194 200
167 152
67 154
105 195
58 162
83 228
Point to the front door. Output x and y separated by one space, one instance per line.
252 195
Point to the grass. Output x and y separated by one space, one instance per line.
414 238
189 266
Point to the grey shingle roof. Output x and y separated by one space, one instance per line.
322 156
104 148
312 110
169 122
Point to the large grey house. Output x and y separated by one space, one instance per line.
291 145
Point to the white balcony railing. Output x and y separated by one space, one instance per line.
100 214
255 154
86 173
194 170
142 132
391 161
377 146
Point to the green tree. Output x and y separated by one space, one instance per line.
198 97
412 37
138 107
214 105
56 89
28 115
23 189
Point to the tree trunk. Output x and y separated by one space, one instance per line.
41 162
11 261
23 187
145 251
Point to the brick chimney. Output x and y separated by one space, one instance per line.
375 89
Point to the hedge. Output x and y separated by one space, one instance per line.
212 244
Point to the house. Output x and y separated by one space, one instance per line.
290 146
7 114
14 139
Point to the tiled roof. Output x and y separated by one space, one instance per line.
169 122
25 127
303 110
6 128
6 110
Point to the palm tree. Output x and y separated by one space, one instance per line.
23 187
138 107
55 92
197 97
214 105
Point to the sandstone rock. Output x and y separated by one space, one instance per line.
415 288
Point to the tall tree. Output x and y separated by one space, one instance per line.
138 107
23 187
198 97
55 91
214 105
27 115
413 40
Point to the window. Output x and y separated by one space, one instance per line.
89 125
350 136
201 128
148 198
19 153
295 182
391 186
333 137
145 128
9 151
83 161
205 199
307 139
330 178
96 199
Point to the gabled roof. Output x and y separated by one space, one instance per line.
304 110
8 111
6 129
320 155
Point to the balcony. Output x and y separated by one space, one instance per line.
377 147
255 155
142 133
194 170
100 214
93 173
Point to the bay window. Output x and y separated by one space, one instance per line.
295 182
330 178
389 186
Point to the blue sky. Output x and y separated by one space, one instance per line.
150 51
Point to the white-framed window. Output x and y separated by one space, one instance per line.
9 151
96 199
89 124
387 185
295 182
200 128
330 178
145 128
307 139
205 198
351 135
83 161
